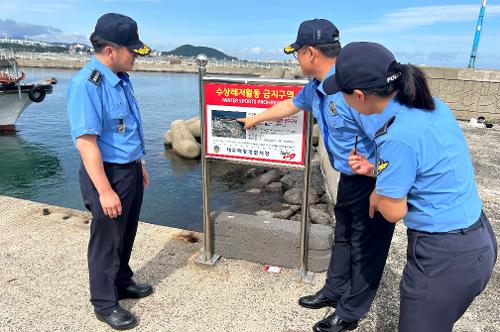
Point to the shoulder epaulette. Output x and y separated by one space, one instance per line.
95 77
383 129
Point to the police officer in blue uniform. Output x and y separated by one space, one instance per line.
106 127
425 177
360 245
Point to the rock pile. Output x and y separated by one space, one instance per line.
286 189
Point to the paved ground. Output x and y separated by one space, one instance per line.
43 275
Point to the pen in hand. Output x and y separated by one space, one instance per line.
356 145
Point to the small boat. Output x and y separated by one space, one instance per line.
16 95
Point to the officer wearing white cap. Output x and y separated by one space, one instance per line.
106 127
361 245
425 177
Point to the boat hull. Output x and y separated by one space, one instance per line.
12 104
15 99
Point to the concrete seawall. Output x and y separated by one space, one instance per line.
145 66
469 92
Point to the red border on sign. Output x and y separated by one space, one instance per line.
240 94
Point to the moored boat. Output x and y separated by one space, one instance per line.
15 94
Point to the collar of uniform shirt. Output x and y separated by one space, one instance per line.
330 73
111 77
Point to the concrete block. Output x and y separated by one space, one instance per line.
270 240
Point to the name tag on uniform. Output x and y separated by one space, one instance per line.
121 126
332 108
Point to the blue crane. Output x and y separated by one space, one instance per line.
477 35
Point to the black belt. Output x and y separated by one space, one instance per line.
472 227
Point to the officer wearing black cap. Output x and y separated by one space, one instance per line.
424 176
106 127
361 245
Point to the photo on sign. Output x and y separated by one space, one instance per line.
224 124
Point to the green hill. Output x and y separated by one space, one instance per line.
193 51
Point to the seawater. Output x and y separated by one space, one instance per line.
40 162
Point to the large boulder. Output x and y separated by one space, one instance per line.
263 180
194 126
167 138
183 141
319 216
294 196
275 187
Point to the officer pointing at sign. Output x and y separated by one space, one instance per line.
106 126
361 244
425 177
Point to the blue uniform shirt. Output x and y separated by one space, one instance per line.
104 105
424 155
339 123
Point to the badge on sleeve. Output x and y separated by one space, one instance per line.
332 108
95 77
385 127
381 165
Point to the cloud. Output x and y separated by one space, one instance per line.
62 38
254 50
41 7
408 18
256 53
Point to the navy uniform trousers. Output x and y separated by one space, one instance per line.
443 274
111 240
361 245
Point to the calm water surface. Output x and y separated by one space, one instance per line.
40 163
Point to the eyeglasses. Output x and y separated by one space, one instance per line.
297 52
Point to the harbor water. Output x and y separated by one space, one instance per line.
40 162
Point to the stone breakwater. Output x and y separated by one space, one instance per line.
469 92
77 63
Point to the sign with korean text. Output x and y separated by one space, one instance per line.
281 141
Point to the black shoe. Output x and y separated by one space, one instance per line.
135 291
119 319
334 323
316 301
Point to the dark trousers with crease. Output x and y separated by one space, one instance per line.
361 245
111 240
443 274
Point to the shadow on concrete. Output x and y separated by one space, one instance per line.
174 255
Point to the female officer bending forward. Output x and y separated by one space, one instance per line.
425 177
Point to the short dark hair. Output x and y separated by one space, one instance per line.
329 50
99 44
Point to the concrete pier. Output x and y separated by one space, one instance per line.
44 278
